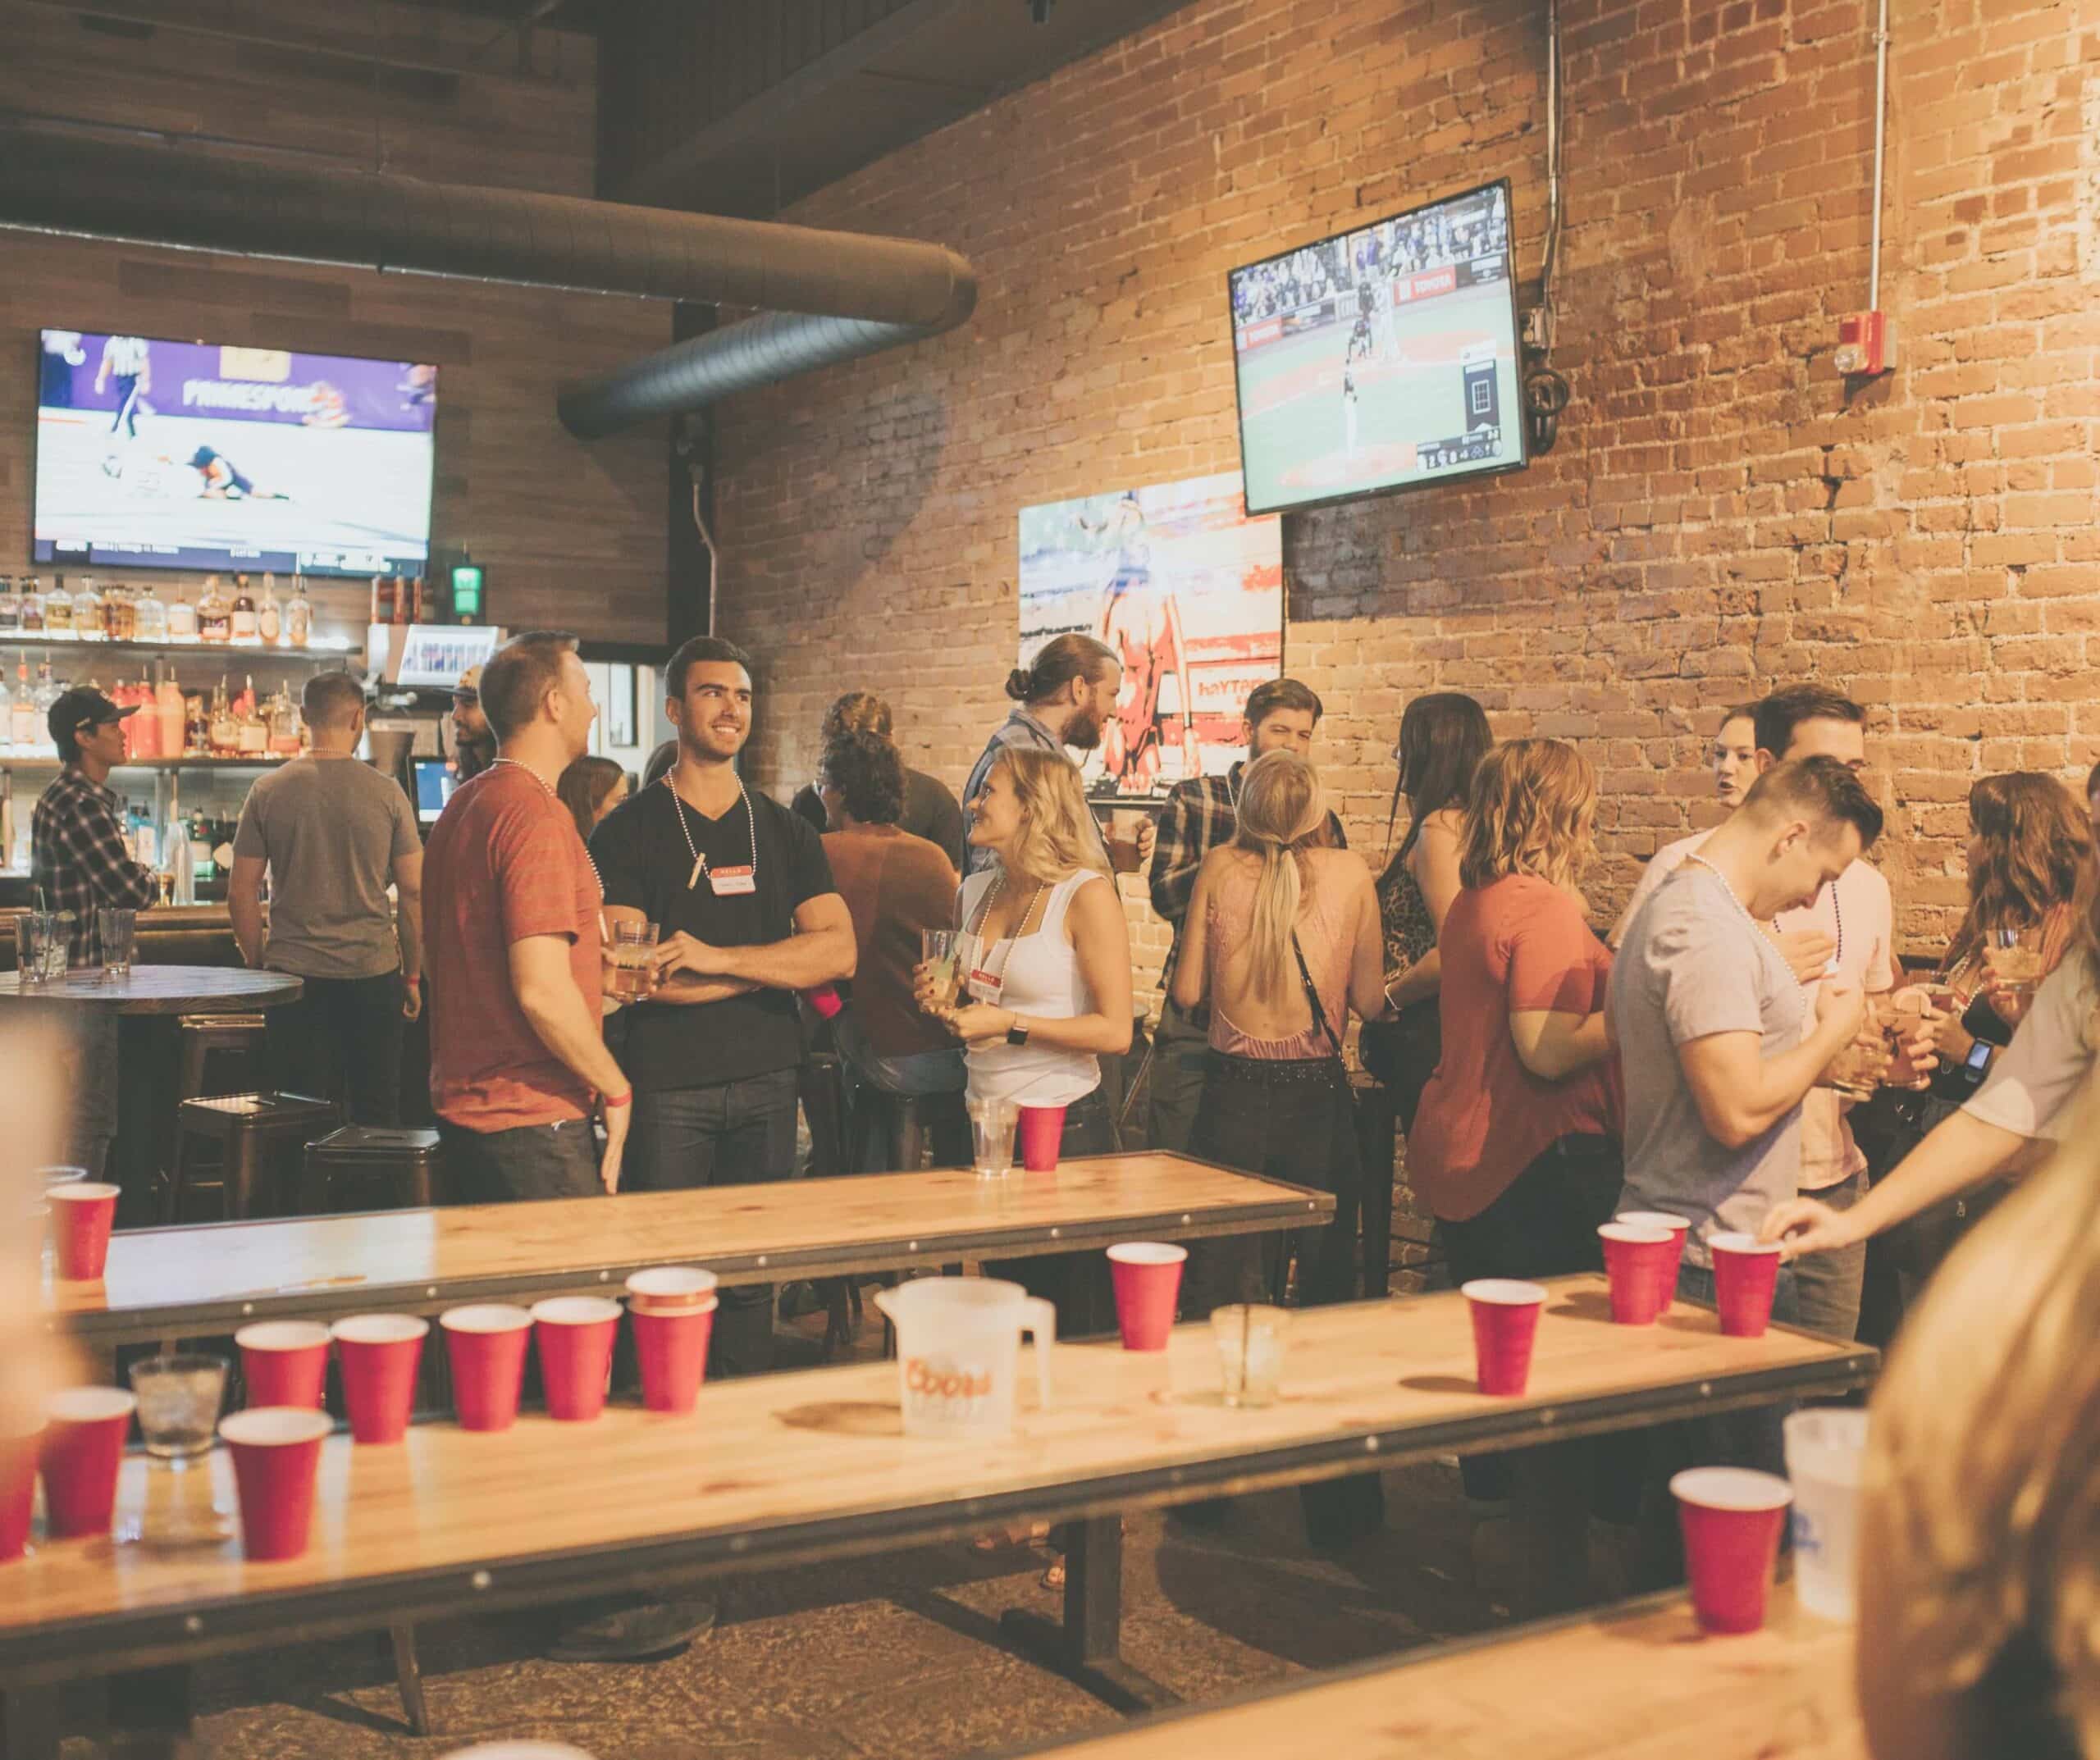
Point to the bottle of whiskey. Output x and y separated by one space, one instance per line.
254 736
299 615
182 619
214 613
269 619
244 627
225 730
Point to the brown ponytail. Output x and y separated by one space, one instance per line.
1060 662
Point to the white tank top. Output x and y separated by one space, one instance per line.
1039 977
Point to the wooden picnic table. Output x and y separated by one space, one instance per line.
780 1469
162 1283
1641 1682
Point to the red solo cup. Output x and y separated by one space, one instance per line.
671 1289
277 1453
1638 1261
486 1343
284 1362
1148 1279
575 1335
83 1433
81 1214
1505 1322
18 1456
672 1348
1042 1129
1679 1226
1731 1518
380 1354
1745 1273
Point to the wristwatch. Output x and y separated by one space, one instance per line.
1016 1034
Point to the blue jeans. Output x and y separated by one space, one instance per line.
737 1133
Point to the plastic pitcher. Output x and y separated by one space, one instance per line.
958 1351
1826 1452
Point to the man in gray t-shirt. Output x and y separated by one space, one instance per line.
1717 1041
333 834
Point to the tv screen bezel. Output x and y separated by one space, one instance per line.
180 567
1523 458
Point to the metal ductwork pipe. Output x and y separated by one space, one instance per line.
827 296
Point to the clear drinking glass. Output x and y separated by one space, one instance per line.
1250 1351
941 948
992 1137
57 944
2014 958
32 931
178 1401
119 931
633 946
1858 1068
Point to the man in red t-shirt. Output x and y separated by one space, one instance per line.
518 1063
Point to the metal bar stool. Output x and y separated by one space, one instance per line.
237 1037
254 1134
404 1163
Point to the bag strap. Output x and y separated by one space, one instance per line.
1312 995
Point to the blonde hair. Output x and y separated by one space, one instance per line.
1530 812
1283 813
1057 838
1983 1456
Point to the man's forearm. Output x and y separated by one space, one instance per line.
1785 1080
802 962
247 914
686 990
573 1034
408 932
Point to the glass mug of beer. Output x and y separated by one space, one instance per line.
632 950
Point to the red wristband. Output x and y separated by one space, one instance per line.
613 1101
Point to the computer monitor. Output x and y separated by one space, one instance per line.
435 779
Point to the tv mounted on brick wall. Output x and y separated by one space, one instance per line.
154 453
1383 358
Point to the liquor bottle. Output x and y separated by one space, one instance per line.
148 616
182 619
58 610
284 724
87 612
225 730
49 690
299 615
252 738
141 731
269 619
400 589
214 615
33 607
169 711
11 607
245 629
416 600
119 621
25 729
196 727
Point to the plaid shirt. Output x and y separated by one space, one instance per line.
1201 814
78 856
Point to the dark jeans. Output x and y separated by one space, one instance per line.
1402 1054
341 1041
1543 1224
530 1162
1078 1285
737 1133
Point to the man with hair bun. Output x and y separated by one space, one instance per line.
332 834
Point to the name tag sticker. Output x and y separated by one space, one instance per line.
984 987
727 881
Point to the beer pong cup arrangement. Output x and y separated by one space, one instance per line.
486 1343
276 1456
1042 1128
284 1362
380 1354
18 1456
575 1335
1640 1263
1746 1275
1732 1518
674 1317
1678 1226
81 1213
1505 1316
1148 1279
83 1433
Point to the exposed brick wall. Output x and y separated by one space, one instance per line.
1722 512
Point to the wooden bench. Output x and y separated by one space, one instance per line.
186 1282
782 1469
1640 1683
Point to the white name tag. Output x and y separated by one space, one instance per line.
727 881
983 987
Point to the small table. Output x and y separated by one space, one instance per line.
147 1002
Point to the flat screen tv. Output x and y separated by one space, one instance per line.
1381 358
153 453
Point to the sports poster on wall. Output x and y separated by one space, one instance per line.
1189 592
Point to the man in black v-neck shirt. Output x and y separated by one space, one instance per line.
747 915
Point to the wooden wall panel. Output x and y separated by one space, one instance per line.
572 535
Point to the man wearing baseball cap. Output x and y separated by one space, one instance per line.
473 740
77 852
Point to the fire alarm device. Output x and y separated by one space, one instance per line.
1866 343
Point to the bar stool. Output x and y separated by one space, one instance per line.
252 1132
404 1162
238 1036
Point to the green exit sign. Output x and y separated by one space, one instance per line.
467 593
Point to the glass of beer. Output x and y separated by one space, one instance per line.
631 950
941 951
2014 959
1859 1066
